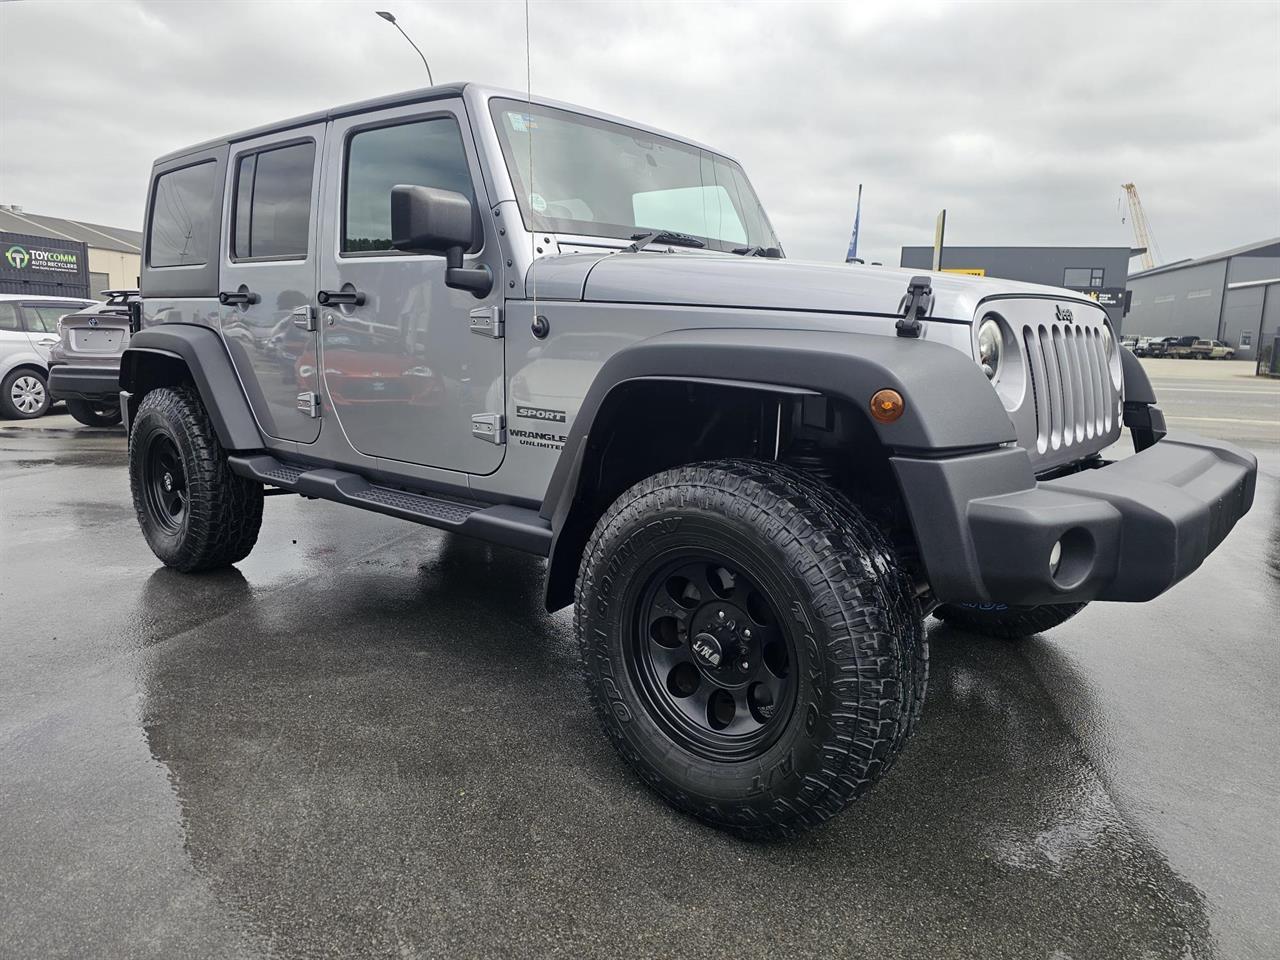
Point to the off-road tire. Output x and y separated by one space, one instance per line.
94 414
223 512
1007 622
9 409
861 657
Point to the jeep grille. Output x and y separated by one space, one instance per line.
1075 399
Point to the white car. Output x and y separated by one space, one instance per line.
28 328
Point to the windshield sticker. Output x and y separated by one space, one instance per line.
538 202
522 122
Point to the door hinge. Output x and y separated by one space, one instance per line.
487 321
489 426
309 403
304 317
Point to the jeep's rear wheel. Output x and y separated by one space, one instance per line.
750 644
194 512
1007 622
94 414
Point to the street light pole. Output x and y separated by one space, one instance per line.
390 18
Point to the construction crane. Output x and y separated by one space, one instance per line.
1141 229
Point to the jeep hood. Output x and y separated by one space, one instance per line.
726 280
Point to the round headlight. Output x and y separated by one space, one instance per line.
1112 353
989 347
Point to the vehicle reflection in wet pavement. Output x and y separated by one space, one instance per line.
371 739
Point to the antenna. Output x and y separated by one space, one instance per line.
528 95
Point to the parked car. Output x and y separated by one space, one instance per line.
1156 346
1180 347
1212 350
84 365
28 330
752 477
1142 346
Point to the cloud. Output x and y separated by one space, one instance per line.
1021 119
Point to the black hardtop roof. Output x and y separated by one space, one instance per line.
440 92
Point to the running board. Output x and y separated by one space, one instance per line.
508 525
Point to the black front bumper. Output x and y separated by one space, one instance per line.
95 384
1128 530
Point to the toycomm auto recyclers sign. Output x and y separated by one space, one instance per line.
42 265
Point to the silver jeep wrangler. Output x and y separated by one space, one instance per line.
552 329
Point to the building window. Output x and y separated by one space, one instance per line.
182 217
1166 299
1199 294
273 203
1083 277
427 153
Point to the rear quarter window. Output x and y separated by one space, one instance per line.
182 216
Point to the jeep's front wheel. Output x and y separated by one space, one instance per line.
750 644
194 512
1004 621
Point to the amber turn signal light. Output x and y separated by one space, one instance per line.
887 405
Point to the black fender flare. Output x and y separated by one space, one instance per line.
167 354
1137 385
1141 415
949 404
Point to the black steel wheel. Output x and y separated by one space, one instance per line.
194 512
712 657
750 644
164 481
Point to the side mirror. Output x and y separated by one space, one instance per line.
429 220
442 222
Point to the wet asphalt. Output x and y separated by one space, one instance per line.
369 740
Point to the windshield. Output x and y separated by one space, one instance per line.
602 179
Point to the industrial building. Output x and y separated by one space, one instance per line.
1100 272
60 257
1233 296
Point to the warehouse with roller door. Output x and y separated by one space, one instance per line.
1233 296
54 256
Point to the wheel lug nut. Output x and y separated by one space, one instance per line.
747 634
744 666
720 614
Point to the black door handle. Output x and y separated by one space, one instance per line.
235 297
328 298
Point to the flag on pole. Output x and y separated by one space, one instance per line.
853 240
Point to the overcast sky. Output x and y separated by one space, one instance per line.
1022 119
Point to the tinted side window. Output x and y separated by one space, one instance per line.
9 317
427 153
182 217
273 202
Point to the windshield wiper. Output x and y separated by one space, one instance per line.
773 253
642 240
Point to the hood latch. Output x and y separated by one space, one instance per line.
916 304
